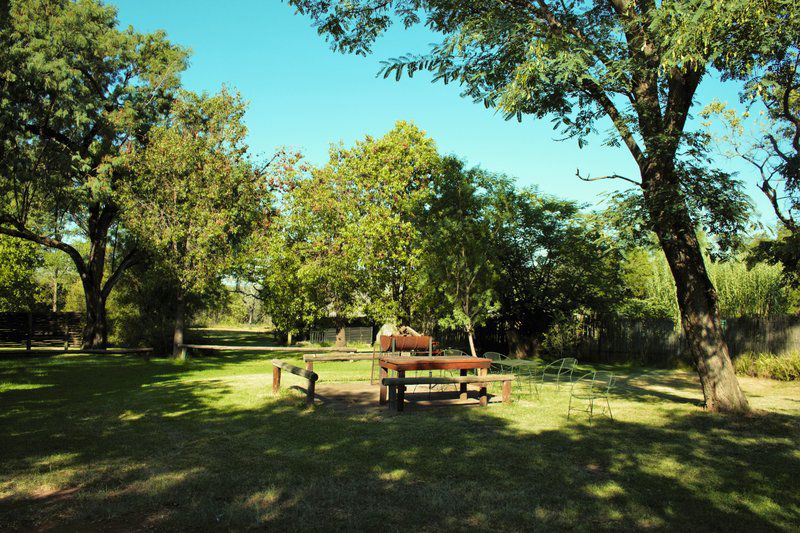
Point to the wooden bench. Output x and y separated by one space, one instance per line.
397 386
278 366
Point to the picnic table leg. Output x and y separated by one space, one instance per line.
310 366
382 394
392 396
463 387
506 391
483 395
401 391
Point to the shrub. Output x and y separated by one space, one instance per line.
784 367
141 310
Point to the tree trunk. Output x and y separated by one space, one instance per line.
95 331
522 344
55 291
697 298
470 336
289 339
341 338
180 324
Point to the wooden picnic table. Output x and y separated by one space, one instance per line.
403 364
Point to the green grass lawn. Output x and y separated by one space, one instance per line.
113 442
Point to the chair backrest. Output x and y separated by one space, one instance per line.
495 356
597 383
567 366
603 381
561 366
452 352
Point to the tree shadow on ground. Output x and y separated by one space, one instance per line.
137 448
233 337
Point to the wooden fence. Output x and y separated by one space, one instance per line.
354 335
661 342
40 329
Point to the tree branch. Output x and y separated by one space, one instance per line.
616 117
21 232
130 259
609 177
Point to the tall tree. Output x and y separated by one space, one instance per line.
353 226
78 93
458 261
553 261
580 62
197 199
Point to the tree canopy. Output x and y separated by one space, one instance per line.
78 95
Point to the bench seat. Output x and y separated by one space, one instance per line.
397 386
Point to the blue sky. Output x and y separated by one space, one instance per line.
303 95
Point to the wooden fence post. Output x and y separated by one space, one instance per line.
276 379
310 392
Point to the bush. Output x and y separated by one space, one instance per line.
141 310
764 365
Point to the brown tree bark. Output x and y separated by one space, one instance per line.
471 337
180 325
697 298
341 337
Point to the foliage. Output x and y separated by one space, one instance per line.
18 263
768 62
55 275
554 261
578 63
785 367
349 232
754 291
197 198
459 259
141 311
649 285
68 121
743 289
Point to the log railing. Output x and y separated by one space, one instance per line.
278 366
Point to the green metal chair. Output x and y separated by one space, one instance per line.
591 387
523 370
558 371
452 352
497 361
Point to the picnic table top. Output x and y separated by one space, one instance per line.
440 362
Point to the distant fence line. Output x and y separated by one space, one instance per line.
660 342
354 335
41 329
651 341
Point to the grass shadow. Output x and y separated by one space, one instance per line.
114 443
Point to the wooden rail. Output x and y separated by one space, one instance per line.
222 347
328 358
45 352
278 366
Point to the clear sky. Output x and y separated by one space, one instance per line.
303 95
